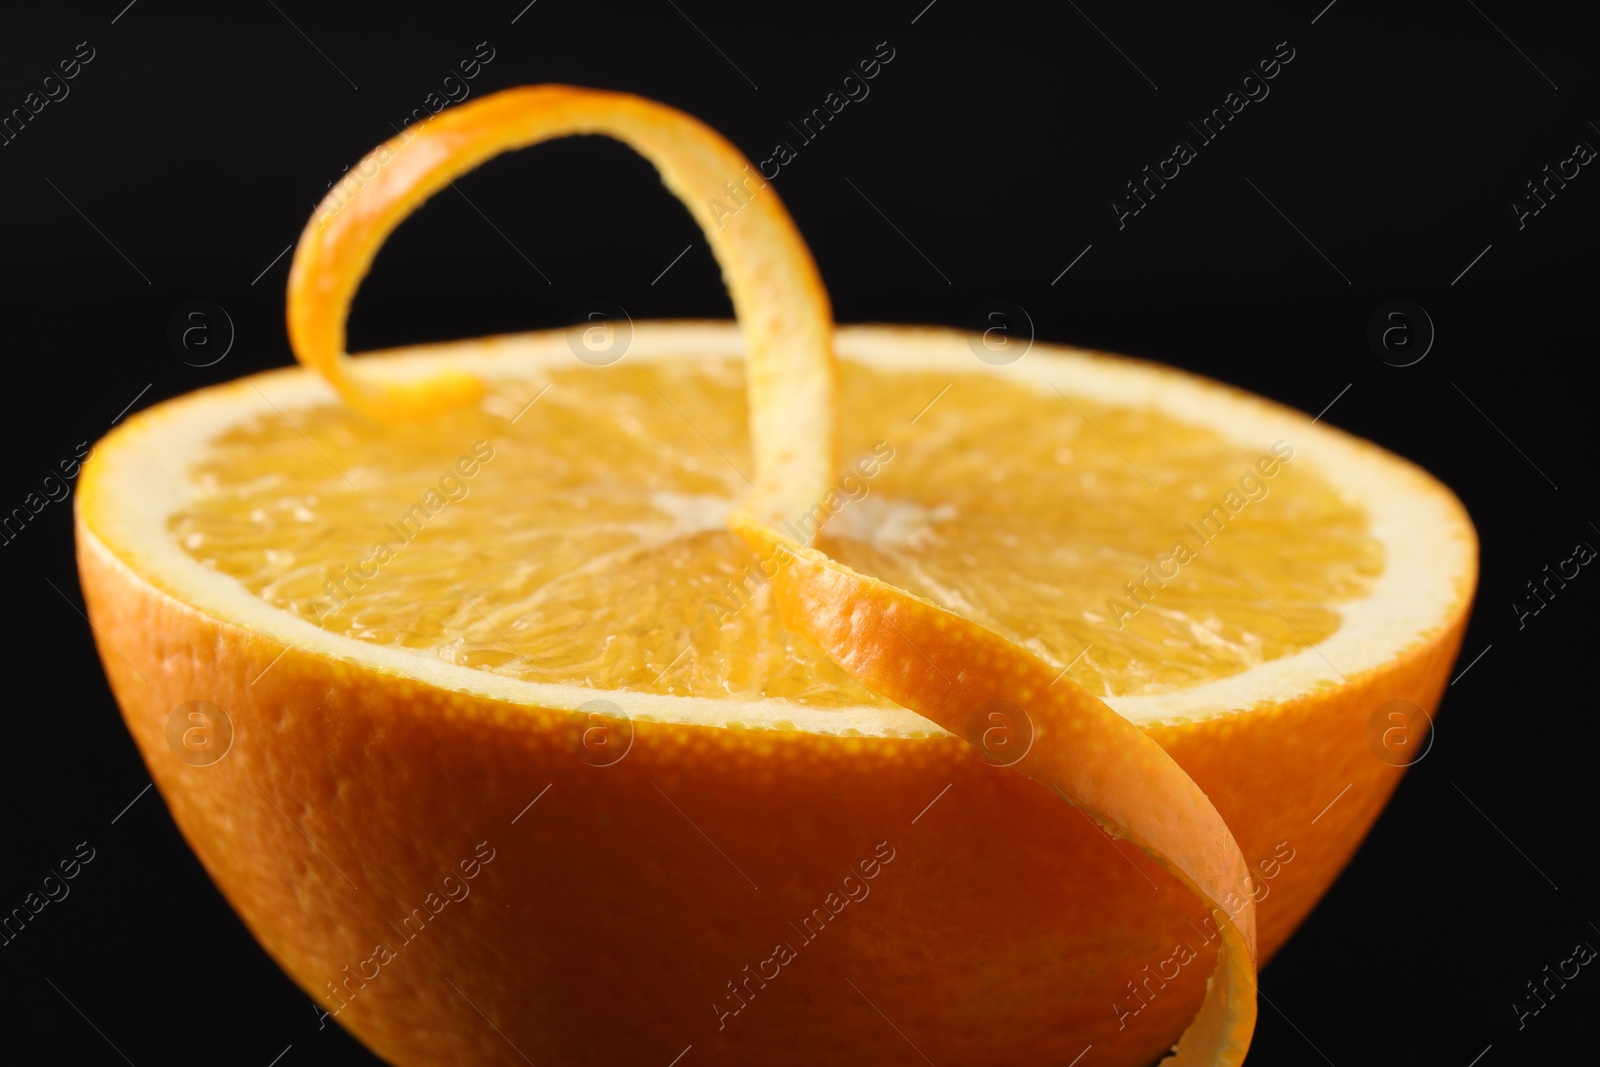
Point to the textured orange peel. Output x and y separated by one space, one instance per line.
903 647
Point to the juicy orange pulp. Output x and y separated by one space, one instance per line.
607 502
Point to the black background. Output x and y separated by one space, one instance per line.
193 147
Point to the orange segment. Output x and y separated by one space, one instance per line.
1077 746
617 477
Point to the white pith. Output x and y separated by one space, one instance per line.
141 471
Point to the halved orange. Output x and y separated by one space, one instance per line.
534 760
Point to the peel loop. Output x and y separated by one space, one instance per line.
899 645
777 293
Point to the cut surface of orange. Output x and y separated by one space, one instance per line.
609 498
1169 603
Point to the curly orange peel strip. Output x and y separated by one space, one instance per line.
885 637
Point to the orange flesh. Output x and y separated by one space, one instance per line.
608 506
